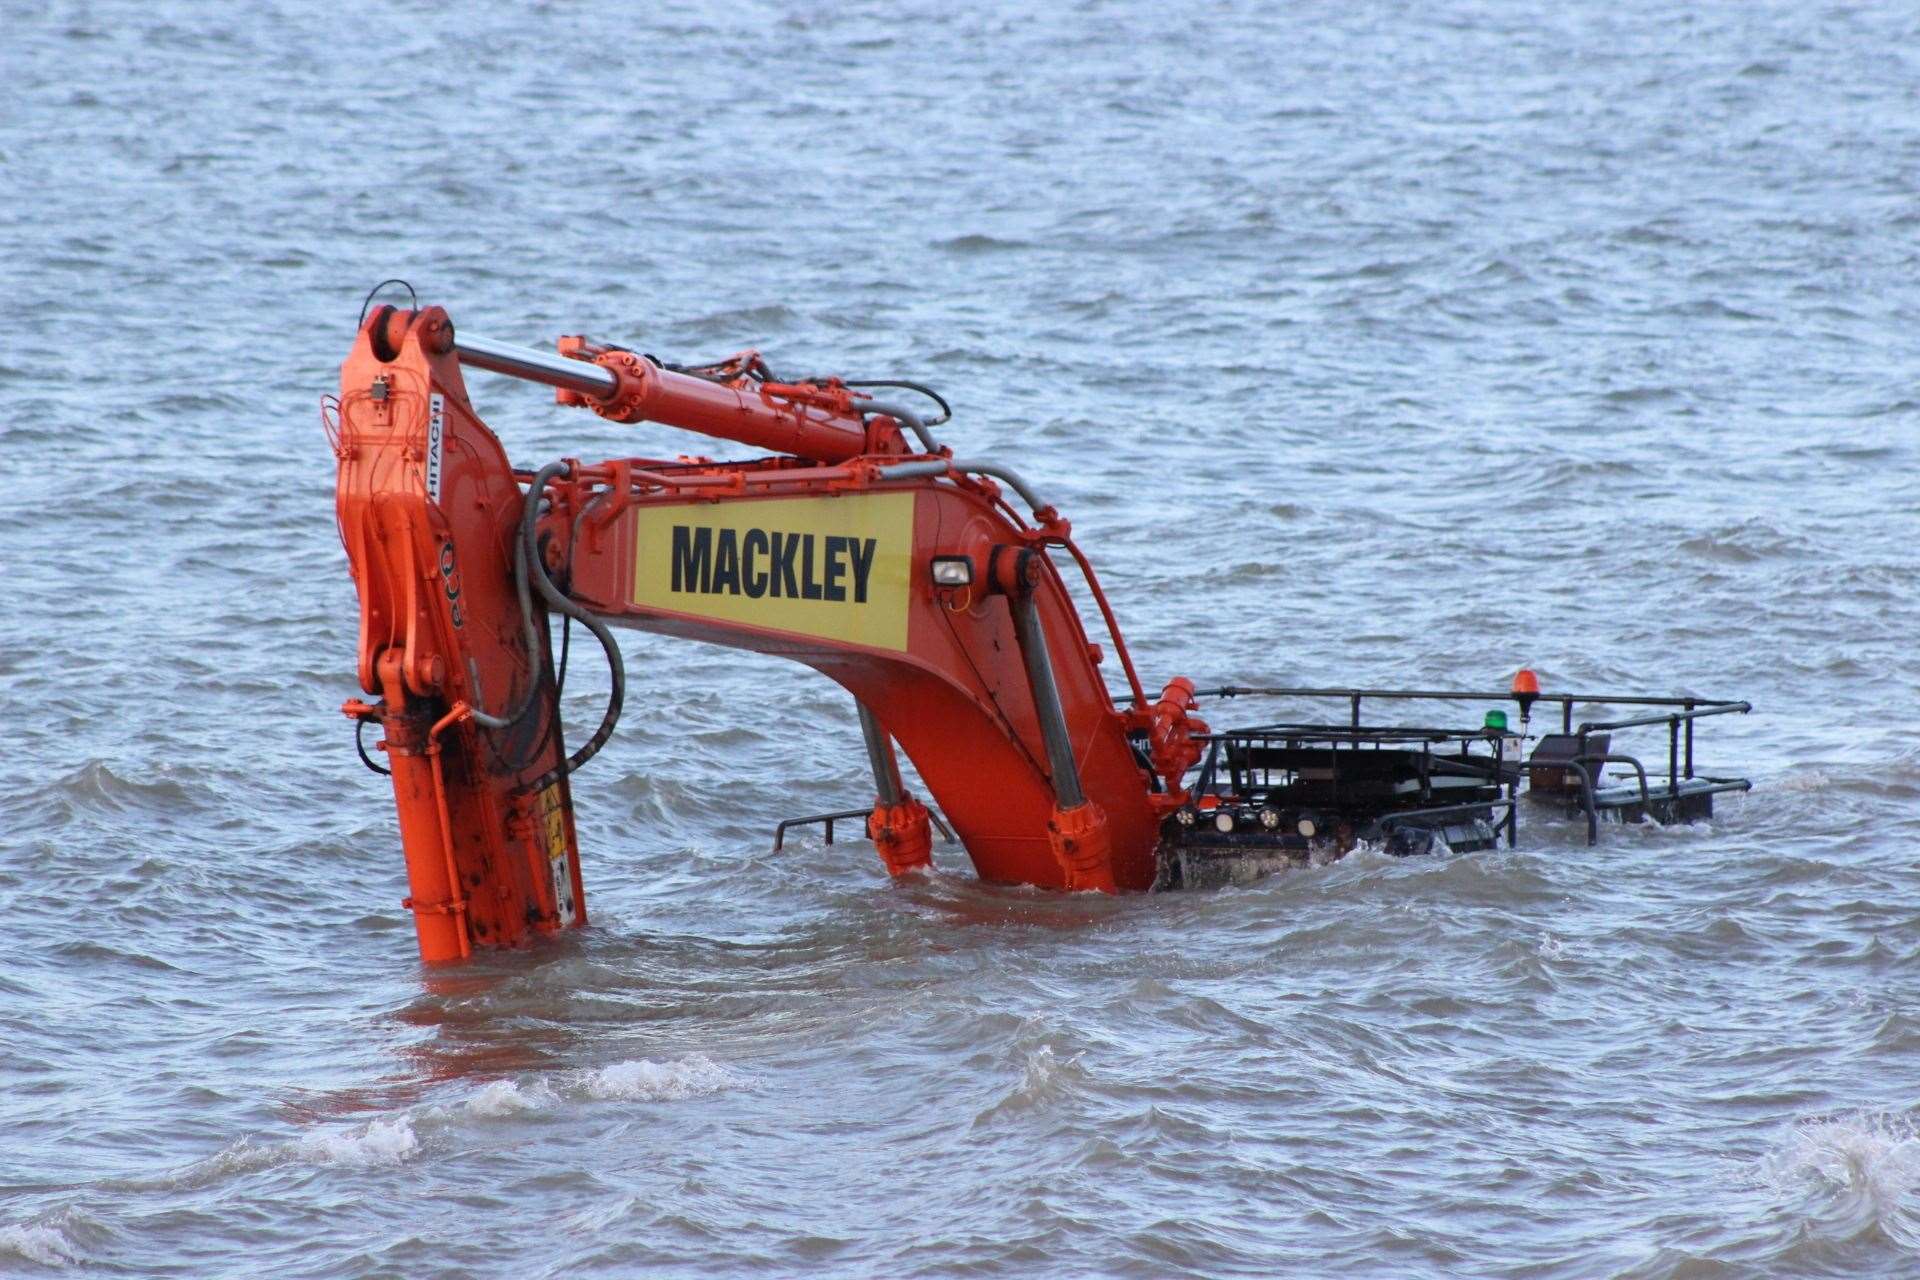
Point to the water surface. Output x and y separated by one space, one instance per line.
1360 344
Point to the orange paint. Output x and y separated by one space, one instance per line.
812 554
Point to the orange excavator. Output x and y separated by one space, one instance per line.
934 589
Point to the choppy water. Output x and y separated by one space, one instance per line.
1361 343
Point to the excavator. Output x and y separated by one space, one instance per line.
934 589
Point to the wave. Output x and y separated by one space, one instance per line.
510 1098
382 1141
39 1242
1858 1174
980 244
95 785
1744 543
1045 1078
766 318
397 1139
643 1080
1872 1153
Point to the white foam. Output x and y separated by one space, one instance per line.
509 1098
1651 826
1874 1155
394 1140
381 1142
38 1242
643 1080
1367 853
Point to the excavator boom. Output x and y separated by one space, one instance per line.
857 547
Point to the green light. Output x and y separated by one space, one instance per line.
1497 721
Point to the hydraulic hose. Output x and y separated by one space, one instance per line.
940 467
913 420
559 602
946 410
529 570
512 715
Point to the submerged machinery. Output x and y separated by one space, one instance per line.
1287 792
933 588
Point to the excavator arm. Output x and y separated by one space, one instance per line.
857 546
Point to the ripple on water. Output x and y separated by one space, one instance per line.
1360 346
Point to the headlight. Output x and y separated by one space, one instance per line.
953 571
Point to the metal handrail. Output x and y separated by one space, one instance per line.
1586 798
1675 717
1693 707
1588 805
1243 691
828 819
1342 733
841 815
1638 768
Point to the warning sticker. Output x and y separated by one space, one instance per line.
553 832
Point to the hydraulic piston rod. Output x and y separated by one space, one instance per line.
578 376
825 426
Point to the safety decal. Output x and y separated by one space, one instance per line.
835 568
553 827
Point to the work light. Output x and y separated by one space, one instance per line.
953 571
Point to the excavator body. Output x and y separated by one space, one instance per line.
857 546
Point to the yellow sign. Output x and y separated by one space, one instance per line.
553 819
830 567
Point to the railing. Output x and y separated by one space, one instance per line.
1695 710
1704 706
1679 722
828 819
